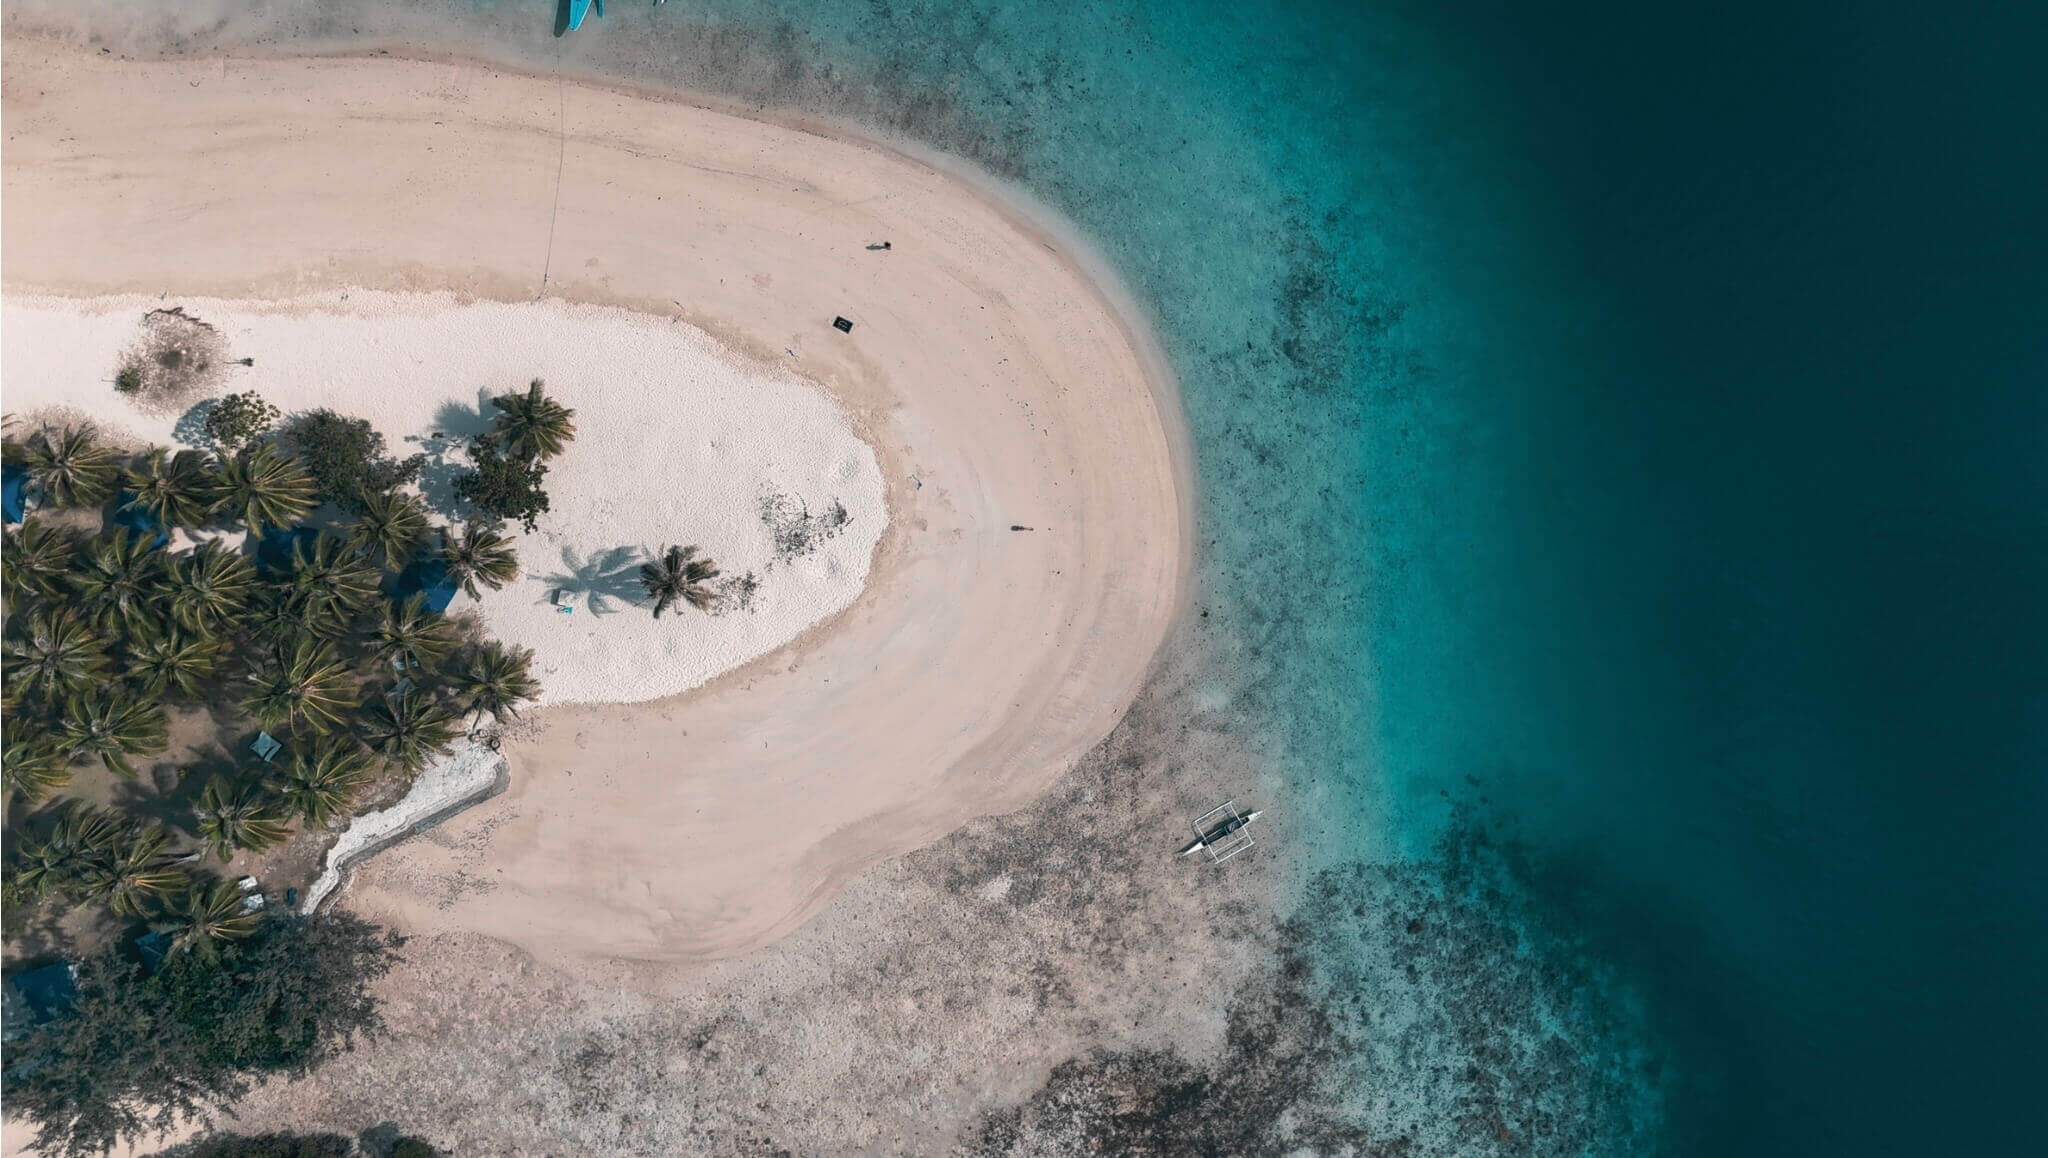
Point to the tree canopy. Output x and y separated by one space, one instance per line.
141 1049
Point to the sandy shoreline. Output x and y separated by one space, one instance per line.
997 383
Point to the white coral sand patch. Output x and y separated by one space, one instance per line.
678 441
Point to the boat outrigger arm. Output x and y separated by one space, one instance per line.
1221 831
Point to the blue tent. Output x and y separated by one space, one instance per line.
274 551
14 502
427 575
48 991
141 522
153 948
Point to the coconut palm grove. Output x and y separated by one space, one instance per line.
208 653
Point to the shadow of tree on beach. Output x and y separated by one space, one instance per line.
602 579
447 451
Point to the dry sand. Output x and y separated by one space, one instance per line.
724 456
997 383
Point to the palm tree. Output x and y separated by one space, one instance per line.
533 425
208 912
57 656
35 560
55 860
132 872
481 555
264 488
495 679
209 586
327 782
167 660
109 723
33 769
72 468
306 686
390 529
176 489
116 581
678 576
413 636
331 583
409 729
238 816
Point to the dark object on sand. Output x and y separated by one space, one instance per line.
1021 527
879 245
842 325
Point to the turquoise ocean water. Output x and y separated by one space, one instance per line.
1621 442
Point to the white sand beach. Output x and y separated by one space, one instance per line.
678 442
1023 435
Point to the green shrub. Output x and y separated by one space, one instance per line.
275 1146
140 1050
502 487
346 458
239 419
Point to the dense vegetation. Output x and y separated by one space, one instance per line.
106 633
113 639
306 1146
143 1046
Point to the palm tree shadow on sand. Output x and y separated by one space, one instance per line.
606 581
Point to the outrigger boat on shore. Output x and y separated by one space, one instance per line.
578 9
1221 831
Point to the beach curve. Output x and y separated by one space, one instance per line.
1027 433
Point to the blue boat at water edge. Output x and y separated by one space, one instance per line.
578 9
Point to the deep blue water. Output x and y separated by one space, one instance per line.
1622 429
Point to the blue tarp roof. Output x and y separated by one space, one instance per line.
48 991
429 575
139 521
274 550
153 948
14 502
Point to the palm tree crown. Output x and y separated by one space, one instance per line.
264 488
326 781
481 555
307 685
331 583
117 580
496 679
678 576
56 656
109 723
413 636
409 729
209 586
206 914
33 769
55 860
71 468
169 661
36 559
132 871
533 425
238 816
390 528
176 489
